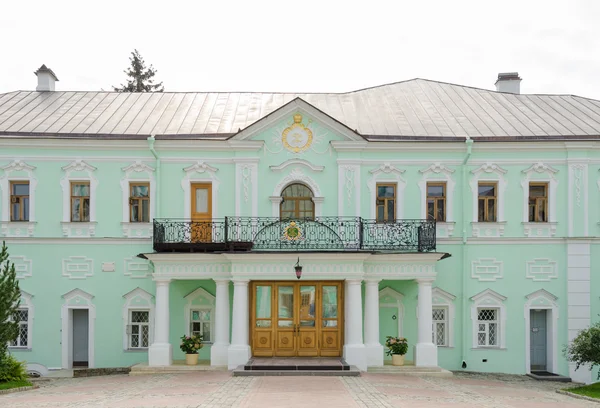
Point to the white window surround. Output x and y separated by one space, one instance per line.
488 299
147 173
199 299
200 172
77 299
441 298
438 172
388 297
489 173
17 228
137 299
297 176
386 173
542 299
26 303
78 229
540 172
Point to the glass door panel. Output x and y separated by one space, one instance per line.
201 228
307 317
285 337
331 339
262 320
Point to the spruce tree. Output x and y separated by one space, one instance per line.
9 301
140 78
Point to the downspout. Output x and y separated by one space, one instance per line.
151 141
464 192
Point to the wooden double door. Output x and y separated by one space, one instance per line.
297 319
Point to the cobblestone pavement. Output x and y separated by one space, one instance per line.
219 389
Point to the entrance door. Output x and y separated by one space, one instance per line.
538 338
201 230
296 319
80 338
388 324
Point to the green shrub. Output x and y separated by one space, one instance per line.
12 369
585 348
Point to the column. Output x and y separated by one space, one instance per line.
425 350
354 349
219 349
239 350
160 352
373 347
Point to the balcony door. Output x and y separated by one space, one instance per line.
296 319
201 227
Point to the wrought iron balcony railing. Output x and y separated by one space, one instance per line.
276 234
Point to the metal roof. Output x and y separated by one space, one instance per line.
409 109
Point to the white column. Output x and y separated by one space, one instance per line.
160 352
425 350
354 349
239 350
372 345
219 349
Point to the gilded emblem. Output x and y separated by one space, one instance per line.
297 138
292 232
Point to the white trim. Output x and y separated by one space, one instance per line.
138 299
396 300
82 229
137 229
199 172
545 174
246 187
26 302
542 299
297 176
199 293
440 173
297 162
483 174
82 300
541 270
441 298
25 227
385 174
348 185
489 299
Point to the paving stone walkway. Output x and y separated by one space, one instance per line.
219 389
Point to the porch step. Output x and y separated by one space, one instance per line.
178 367
412 370
546 376
351 372
296 366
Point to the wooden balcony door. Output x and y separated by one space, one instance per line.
297 319
201 227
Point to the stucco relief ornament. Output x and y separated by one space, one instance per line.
297 137
292 232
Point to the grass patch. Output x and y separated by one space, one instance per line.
14 384
592 390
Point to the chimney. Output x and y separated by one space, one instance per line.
46 79
508 82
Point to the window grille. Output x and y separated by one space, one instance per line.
139 333
487 327
21 316
440 326
201 324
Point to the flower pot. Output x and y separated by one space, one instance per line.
191 359
398 359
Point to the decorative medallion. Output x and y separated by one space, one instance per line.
285 340
297 138
292 232
329 340
263 340
307 340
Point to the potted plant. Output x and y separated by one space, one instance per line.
190 345
397 348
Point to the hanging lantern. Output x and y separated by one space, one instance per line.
298 269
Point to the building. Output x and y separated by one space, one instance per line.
463 219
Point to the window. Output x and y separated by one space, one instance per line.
297 202
386 203
538 202
487 202
80 201
139 329
19 201
139 202
200 324
440 326
487 327
436 201
22 316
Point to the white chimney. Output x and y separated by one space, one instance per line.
46 79
508 82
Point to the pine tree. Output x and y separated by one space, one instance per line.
9 301
141 78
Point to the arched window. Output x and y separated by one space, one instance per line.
297 202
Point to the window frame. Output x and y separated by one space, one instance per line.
21 207
486 330
130 325
25 323
436 199
140 201
445 322
385 202
486 199
89 198
545 198
208 310
297 201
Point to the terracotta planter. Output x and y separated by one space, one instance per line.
191 359
397 359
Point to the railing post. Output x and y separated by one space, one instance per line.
360 233
419 238
226 230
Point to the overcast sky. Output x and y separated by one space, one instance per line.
304 46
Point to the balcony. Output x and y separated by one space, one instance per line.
322 234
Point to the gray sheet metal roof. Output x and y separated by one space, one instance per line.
409 109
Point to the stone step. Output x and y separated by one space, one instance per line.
411 370
178 367
352 372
